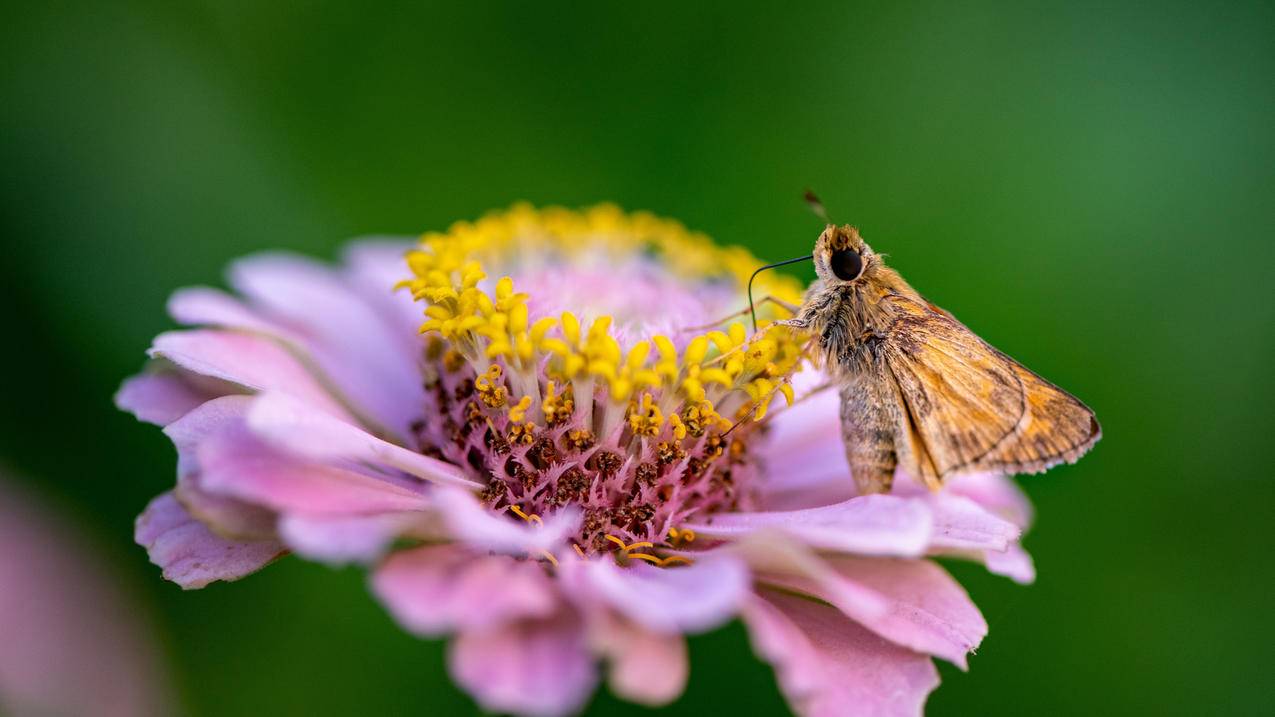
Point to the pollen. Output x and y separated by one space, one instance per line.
646 420
680 538
522 434
581 439
490 388
557 407
518 413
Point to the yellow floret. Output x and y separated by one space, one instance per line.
490 328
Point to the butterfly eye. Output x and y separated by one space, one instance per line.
846 264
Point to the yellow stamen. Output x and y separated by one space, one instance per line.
679 428
448 270
490 388
681 537
522 434
649 420
530 518
518 412
557 407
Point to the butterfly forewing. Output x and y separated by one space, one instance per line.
1056 428
971 407
962 397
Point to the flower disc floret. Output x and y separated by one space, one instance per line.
551 408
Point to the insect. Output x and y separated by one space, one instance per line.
918 389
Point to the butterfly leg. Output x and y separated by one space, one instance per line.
793 323
813 392
790 308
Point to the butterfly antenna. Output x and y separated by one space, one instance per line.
817 207
752 310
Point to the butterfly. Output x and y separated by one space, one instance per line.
919 390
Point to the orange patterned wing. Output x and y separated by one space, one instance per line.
962 397
1056 428
971 407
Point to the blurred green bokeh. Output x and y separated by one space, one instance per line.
1089 186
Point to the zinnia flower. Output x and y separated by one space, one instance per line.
558 468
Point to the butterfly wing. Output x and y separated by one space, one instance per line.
1056 428
969 407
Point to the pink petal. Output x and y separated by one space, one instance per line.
869 525
913 603
227 515
204 306
970 510
249 360
779 560
365 351
997 494
341 539
827 490
228 477
1015 564
472 523
291 425
804 451
829 665
962 524
159 398
540 668
645 667
234 462
660 599
373 263
437 589
192 555
206 420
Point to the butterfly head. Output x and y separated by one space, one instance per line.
841 255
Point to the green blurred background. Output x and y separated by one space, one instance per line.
1089 186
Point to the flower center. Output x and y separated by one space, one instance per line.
639 422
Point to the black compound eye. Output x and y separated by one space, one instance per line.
846 264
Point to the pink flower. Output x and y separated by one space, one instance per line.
72 640
565 479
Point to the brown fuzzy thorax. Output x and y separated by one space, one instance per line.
846 317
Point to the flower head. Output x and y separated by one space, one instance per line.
588 390
551 444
